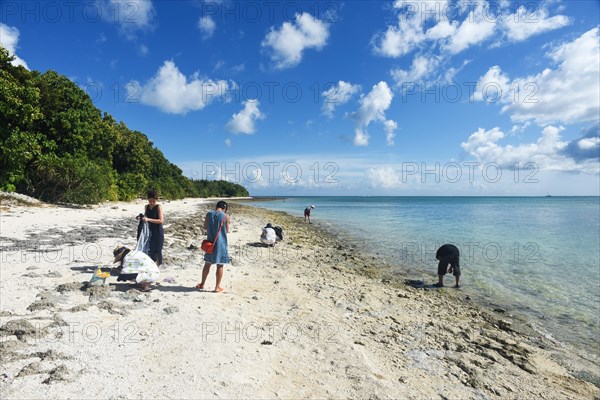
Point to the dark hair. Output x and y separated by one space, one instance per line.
152 194
221 204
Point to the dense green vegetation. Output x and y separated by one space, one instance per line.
55 145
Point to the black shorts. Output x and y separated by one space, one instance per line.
453 262
126 277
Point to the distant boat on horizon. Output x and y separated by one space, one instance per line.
548 195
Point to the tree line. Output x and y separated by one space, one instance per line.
56 146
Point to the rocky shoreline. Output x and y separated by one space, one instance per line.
313 317
347 259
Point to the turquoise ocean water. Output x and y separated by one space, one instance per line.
537 256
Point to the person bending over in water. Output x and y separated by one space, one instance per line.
448 254
307 211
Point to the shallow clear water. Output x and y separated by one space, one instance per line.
537 255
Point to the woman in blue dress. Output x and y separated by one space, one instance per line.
216 226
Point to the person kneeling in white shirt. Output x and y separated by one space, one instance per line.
268 236
136 266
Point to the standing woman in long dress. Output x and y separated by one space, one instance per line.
216 226
153 214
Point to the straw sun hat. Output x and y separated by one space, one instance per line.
118 252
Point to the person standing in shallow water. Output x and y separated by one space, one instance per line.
153 214
307 211
448 254
214 220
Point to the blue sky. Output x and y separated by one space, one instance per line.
340 98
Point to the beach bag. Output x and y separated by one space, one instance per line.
279 232
209 247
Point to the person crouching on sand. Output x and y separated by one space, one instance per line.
136 266
448 254
268 236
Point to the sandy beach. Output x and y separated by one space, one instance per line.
313 317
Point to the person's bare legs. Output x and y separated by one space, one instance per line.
218 287
205 272
440 280
456 277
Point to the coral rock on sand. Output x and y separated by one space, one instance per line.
60 373
99 292
22 329
41 305
71 287
31 369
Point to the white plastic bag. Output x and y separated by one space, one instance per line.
143 243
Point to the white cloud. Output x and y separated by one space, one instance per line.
504 3
288 43
569 93
372 108
442 30
144 50
420 68
130 15
294 173
474 29
9 38
337 95
520 128
589 143
390 126
238 68
383 177
493 87
218 65
244 121
401 39
454 27
523 23
547 152
207 26
228 142
409 33
170 90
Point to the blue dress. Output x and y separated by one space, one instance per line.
220 255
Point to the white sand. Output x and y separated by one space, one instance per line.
295 321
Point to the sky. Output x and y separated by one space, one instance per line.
340 98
